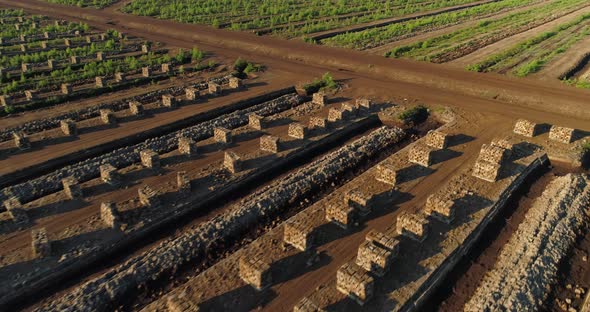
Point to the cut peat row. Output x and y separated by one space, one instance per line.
229 226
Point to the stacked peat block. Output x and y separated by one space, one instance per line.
103 36
269 143
66 88
366 103
505 144
297 130
353 281
335 114
256 122
350 109
107 116
319 99
148 197
232 162
526 128
136 108
387 174
109 215
21 140
374 258
72 187
166 68
119 77
75 59
43 45
255 272
489 163
51 64
40 243
146 72
183 182
46 35
235 83
168 100
358 201
299 232
413 226
306 305
150 159
222 135
89 39
31 95
421 154
23 48
6 100
23 38
214 88
318 122
67 42
383 240
100 56
99 82
341 214
179 303
441 208
25 67
191 93
16 211
187 146
145 48
437 139
562 134
109 174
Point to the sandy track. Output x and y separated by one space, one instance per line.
506 43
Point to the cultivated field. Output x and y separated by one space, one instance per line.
152 162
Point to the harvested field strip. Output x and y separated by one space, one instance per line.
141 221
228 116
462 42
161 260
527 266
378 36
45 124
410 283
495 62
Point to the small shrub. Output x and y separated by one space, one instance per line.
414 115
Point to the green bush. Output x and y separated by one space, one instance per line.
325 83
414 115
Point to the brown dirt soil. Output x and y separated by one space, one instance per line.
412 79
506 43
96 134
460 292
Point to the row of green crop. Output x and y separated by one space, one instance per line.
60 54
456 43
85 3
525 47
270 13
8 31
381 35
90 70
11 13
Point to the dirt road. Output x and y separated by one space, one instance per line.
427 82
